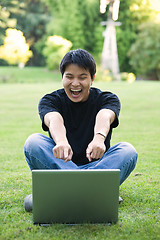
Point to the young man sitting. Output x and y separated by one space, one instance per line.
79 119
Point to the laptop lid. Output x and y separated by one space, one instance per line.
75 196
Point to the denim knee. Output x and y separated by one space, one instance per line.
130 152
32 142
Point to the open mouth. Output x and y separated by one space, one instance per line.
76 92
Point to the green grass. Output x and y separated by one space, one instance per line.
27 75
139 124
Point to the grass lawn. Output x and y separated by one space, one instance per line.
27 74
139 214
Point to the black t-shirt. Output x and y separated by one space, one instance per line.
79 118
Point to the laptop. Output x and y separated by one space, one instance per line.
75 196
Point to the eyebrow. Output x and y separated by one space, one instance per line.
85 74
82 74
69 74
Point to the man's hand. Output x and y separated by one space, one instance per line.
55 123
96 148
63 150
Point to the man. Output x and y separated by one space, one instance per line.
79 120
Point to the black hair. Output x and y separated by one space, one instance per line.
80 57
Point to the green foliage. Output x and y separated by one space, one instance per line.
56 47
32 19
124 39
77 21
129 77
131 14
145 52
7 7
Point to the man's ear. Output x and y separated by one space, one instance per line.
93 79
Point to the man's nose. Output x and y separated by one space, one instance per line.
75 82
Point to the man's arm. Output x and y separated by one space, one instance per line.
96 148
55 123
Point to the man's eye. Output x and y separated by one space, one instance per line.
69 77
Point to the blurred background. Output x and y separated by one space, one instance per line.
37 33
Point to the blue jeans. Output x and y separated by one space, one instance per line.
39 155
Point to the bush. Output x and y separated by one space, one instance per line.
56 47
145 52
15 49
128 77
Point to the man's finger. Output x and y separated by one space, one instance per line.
89 157
95 154
88 154
70 154
54 152
66 150
60 154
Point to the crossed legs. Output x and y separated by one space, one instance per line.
39 155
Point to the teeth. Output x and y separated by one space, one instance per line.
76 90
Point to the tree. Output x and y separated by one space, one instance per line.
56 47
6 21
78 21
32 18
145 52
132 13
15 49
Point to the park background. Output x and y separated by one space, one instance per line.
43 31
77 24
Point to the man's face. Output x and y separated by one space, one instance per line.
77 82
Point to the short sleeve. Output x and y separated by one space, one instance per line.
49 103
112 102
